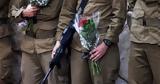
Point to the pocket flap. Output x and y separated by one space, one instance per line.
138 13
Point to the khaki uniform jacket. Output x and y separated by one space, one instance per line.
113 14
4 28
47 20
145 22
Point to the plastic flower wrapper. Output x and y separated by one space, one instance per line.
89 37
21 26
39 2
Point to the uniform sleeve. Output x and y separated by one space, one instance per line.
15 9
67 12
16 12
118 16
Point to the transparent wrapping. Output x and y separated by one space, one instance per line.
87 30
39 2
21 26
89 36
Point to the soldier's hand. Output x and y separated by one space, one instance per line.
57 45
98 52
30 11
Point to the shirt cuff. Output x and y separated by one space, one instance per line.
58 35
16 12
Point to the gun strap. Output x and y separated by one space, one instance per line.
67 34
82 6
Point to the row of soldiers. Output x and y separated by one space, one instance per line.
38 45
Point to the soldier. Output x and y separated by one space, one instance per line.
113 13
38 42
9 61
145 43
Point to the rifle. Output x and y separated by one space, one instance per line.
66 39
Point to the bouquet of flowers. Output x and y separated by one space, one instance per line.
39 2
28 24
89 37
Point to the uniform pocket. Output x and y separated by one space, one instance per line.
44 45
138 16
137 28
46 25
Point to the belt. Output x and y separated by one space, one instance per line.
150 22
41 34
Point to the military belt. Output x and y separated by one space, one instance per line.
152 22
41 34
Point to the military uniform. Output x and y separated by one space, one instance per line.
37 45
9 62
112 18
145 31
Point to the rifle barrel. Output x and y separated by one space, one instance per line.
46 76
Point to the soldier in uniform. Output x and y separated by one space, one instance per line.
38 41
9 61
113 13
145 43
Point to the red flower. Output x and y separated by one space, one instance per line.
82 22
